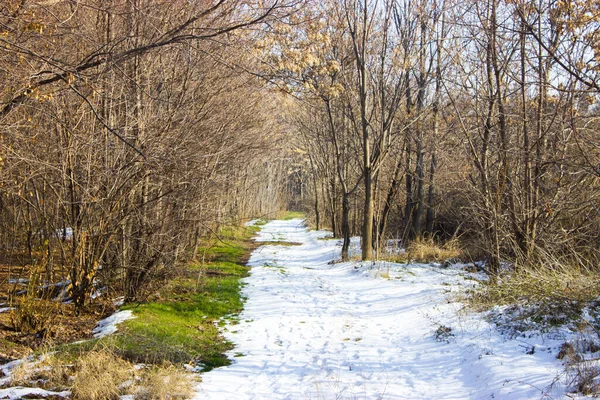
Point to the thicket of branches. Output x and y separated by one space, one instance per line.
434 118
128 131
131 128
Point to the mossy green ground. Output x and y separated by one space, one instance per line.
180 322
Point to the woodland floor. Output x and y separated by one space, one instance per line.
315 329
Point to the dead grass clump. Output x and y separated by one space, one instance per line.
559 285
100 375
48 372
22 374
165 382
53 373
427 250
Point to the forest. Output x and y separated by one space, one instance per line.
134 133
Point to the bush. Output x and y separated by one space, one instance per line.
34 316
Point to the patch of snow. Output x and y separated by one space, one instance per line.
21 281
108 325
22 392
61 284
65 234
97 293
199 367
316 329
8 367
119 301
252 222
6 309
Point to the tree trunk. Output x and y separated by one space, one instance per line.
367 233
345 226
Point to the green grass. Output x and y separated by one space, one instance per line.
179 324
293 215
261 222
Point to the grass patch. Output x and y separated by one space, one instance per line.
180 323
100 374
539 286
293 215
428 250
165 382
184 329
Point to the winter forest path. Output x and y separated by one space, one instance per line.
315 330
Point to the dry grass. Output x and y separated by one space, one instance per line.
166 382
581 365
22 374
48 372
101 375
384 272
428 250
54 373
539 285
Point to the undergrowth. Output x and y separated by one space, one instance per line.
532 285
100 374
427 250
293 215
177 325
538 299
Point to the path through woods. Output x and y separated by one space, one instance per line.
316 330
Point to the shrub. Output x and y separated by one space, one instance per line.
34 316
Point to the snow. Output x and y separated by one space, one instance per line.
65 234
21 392
313 329
108 325
6 371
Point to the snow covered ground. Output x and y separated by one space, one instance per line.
312 329
108 325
